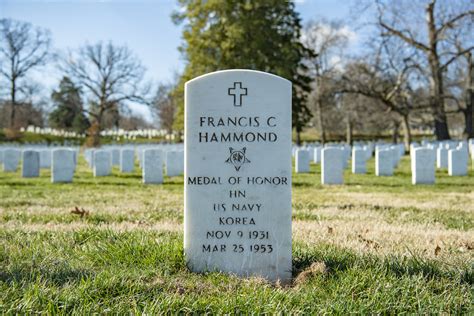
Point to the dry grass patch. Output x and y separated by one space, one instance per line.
165 226
382 238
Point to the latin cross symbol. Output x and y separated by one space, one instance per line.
238 92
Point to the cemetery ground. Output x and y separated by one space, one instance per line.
374 244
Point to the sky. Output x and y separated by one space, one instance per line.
145 26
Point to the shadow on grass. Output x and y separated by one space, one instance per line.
340 260
375 184
13 184
54 276
304 185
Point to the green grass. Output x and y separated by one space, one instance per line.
385 247
94 271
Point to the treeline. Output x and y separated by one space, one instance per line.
413 68
99 82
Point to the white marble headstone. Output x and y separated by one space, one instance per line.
310 150
102 163
423 166
458 160
115 152
63 165
302 160
317 155
383 162
174 163
442 157
127 160
395 156
332 166
30 164
45 158
152 171
89 156
359 159
238 174
11 159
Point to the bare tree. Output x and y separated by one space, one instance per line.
165 107
388 78
444 21
22 49
461 93
327 40
110 76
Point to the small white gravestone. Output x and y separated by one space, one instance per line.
174 163
332 167
302 160
423 166
115 153
310 150
472 156
442 158
383 162
45 158
317 155
76 157
11 159
152 171
127 160
395 156
139 153
457 162
102 163
346 155
359 157
238 174
63 165
368 152
30 165
89 156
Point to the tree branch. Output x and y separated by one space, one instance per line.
450 23
403 37
456 56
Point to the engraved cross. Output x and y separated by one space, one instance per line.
238 92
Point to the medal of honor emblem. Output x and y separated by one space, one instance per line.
237 158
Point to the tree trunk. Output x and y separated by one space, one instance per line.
406 132
437 106
469 111
298 136
319 110
436 82
441 129
93 132
468 127
396 126
12 103
93 135
96 138
349 138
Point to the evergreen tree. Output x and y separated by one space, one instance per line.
69 112
261 35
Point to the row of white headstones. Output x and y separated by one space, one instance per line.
169 159
153 160
425 158
127 134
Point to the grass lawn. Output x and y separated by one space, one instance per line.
375 244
